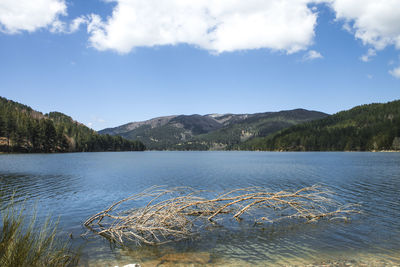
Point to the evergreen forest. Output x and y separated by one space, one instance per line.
373 127
23 129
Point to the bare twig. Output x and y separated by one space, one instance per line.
170 214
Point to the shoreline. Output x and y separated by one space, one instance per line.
276 151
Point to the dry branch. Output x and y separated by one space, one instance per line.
175 214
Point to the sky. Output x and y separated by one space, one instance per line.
109 62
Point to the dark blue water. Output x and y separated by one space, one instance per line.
75 186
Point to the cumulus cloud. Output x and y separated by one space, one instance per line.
375 23
311 55
28 15
395 72
217 26
231 25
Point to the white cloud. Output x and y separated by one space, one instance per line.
58 27
62 27
231 25
76 24
217 26
311 55
395 72
367 57
30 15
375 23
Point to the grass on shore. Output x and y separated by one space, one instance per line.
22 244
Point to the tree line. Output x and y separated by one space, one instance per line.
363 128
23 129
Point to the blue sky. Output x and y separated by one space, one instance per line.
82 58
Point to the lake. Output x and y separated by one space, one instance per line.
75 186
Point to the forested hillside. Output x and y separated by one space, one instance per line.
23 129
255 125
212 131
363 128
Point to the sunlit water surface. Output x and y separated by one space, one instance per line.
75 186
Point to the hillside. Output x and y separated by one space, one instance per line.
23 129
363 128
255 125
212 131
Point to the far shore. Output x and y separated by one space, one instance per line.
278 151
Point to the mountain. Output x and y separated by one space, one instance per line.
23 129
211 131
373 127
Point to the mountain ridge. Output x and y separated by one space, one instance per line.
210 131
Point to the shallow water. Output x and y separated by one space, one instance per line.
75 186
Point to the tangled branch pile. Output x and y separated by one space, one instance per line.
173 214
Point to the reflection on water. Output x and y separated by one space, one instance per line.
75 186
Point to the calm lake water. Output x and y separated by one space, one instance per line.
75 186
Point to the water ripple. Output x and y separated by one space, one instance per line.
74 186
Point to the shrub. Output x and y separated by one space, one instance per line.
23 244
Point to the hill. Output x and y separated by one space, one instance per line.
23 129
211 131
363 128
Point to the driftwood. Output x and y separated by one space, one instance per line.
175 214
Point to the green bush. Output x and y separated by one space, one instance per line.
22 244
